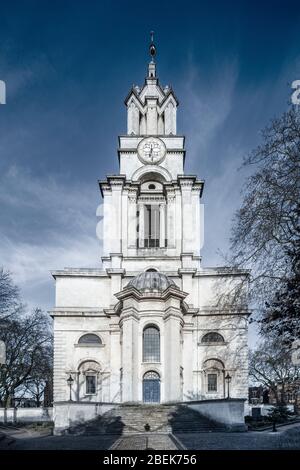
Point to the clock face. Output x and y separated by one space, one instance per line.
151 150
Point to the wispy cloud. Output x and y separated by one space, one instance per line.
46 224
207 104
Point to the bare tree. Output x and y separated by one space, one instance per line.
9 295
40 378
266 231
27 339
282 316
271 365
266 227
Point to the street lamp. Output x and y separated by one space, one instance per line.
228 380
70 382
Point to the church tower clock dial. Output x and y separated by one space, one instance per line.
151 150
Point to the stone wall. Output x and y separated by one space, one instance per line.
68 414
230 412
26 415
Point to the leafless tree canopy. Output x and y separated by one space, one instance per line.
271 364
29 358
9 295
266 228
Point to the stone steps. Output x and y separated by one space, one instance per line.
133 419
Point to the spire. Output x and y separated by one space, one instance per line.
152 50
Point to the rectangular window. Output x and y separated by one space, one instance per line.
212 380
90 382
151 225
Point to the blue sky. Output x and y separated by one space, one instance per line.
68 67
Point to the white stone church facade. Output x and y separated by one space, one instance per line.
151 325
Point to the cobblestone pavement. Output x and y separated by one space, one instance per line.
142 442
287 439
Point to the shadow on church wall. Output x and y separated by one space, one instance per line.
105 424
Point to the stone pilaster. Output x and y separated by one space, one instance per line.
129 324
172 320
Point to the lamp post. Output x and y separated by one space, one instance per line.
228 380
70 382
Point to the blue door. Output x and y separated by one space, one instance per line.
151 388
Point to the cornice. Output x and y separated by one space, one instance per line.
113 271
171 312
171 291
127 314
73 312
182 271
226 311
78 272
117 181
191 182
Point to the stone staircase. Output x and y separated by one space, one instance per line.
186 420
136 419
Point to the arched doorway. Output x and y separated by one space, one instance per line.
151 387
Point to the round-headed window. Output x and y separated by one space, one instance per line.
212 337
151 344
90 339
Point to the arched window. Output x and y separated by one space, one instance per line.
152 212
151 375
151 387
212 337
151 344
90 339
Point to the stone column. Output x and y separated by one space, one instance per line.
115 229
115 364
124 228
132 219
132 119
188 225
129 325
105 224
187 361
172 377
162 225
161 127
130 112
170 218
195 200
141 226
143 125
170 119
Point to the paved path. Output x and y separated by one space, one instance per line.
24 439
267 440
283 439
145 441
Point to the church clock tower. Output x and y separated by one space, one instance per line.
152 209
